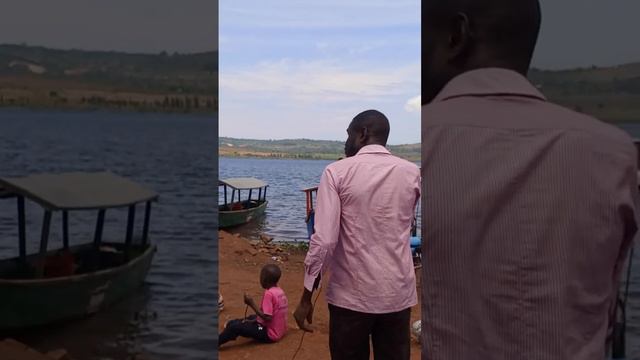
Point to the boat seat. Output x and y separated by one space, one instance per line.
237 206
59 265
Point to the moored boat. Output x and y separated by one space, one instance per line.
236 211
52 286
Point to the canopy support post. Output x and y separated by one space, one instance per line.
97 237
44 240
130 221
145 228
22 230
65 229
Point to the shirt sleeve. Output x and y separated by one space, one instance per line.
418 186
267 303
327 229
628 210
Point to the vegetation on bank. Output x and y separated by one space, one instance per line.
611 94
300 149
38 77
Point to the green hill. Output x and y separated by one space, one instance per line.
611 93
36 76
300 149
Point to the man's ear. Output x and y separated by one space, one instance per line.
460 38
364 135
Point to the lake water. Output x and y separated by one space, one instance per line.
285 214
175 315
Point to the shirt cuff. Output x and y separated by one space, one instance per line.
309 281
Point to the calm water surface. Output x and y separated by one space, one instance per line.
174 315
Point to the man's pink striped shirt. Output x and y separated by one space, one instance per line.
529 212
365 208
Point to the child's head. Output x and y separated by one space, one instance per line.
269 276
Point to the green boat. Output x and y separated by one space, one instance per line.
53 286
236 211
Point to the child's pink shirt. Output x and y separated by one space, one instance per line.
274 303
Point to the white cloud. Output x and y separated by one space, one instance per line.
413 104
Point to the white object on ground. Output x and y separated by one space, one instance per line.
416 329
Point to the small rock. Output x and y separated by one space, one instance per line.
252 252
254 243
266 239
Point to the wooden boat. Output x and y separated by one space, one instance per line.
236 211
52 286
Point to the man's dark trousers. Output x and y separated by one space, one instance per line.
350 331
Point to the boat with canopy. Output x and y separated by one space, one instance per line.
73 281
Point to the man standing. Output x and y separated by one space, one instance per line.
365 207
529 208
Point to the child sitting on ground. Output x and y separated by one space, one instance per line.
270 322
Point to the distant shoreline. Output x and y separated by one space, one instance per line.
259 157
89 100
4 110
294 156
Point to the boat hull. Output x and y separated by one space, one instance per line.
38 302
227 219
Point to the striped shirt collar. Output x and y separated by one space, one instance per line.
489 82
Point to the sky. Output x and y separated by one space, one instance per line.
148 26
303 69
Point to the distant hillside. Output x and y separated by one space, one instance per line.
611 94
37 76
300 149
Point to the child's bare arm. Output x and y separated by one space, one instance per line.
249 301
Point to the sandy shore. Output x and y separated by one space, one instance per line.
239 269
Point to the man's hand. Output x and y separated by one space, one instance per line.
304 311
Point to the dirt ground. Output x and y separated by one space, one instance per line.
239 270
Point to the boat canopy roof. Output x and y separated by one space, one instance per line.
78 190
243 183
